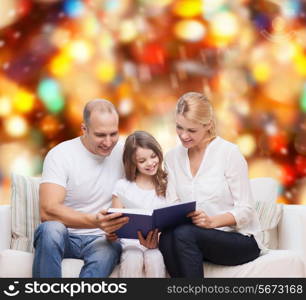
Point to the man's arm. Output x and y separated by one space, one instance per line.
52 208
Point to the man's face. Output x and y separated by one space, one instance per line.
102 133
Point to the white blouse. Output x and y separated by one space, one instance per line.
221 184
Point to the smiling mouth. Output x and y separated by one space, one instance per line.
151 169
104 149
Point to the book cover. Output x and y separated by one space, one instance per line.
146 220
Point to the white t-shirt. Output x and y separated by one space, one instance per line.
221 184
89 179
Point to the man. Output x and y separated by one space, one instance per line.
75 191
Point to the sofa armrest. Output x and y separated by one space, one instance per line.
292 229
5 227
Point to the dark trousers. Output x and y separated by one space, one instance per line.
185 247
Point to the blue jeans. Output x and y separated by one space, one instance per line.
53 242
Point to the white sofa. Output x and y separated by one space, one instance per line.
288 260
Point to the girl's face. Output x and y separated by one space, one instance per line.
147 161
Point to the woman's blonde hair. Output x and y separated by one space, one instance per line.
147 141
197 108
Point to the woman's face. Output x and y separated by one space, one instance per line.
191 134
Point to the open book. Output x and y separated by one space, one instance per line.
146 220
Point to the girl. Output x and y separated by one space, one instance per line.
144 187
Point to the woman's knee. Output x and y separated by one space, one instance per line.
183 232
165 240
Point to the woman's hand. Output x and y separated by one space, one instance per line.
111 237
201 219
151 241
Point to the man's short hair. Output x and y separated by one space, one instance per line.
101 105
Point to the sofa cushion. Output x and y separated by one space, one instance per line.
25 211
276 263
15 263
265 192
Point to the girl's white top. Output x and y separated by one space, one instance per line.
133 196
221 185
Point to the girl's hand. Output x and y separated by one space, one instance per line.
201 219
151 241
111 237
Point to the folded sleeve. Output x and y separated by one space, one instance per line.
236 174
55 169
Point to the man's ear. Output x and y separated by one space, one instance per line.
84 128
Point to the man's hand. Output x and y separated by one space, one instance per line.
151 241
110 222
201 219
111 237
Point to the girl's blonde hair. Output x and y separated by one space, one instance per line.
197 108
147 141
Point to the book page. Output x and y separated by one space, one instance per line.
136 211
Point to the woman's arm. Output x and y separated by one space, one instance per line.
171 195
236 174
201 219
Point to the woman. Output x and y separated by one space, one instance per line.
225 229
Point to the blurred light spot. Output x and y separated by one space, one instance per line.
190 30
49 126
50 93
73 8
22 165
16 126
91 26
5 106
125 106
60 65
80 50
112 5
188 8
302 193
224 27
288 174
261 71
60 37
303 99
212 7
300 63
106 71
23 101
128 31
246 144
